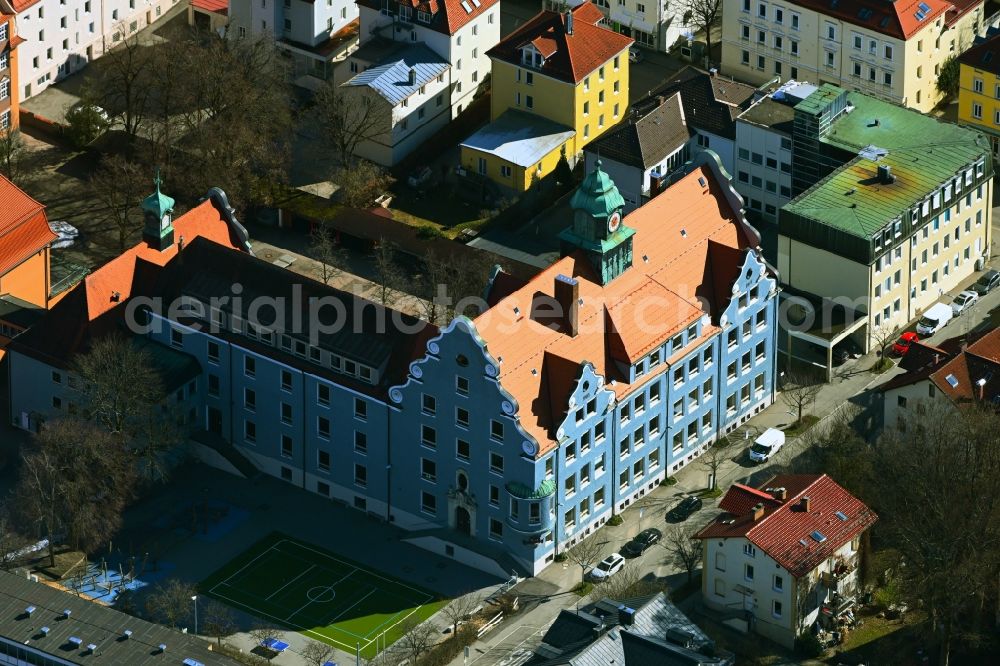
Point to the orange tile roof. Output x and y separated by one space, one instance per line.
24 229
448 16
896 19
785 531
21 5
567 57
673 275
217 6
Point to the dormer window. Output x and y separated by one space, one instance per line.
531 57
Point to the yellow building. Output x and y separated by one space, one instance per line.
890 50
558 82
979 90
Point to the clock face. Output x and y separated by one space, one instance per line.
614 221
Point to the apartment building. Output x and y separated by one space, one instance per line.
957 373
979 89
315 34
9 91
890 50
786 553
61 38
558 82
887 218
653 25
498 441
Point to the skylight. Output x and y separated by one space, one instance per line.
841 515
476 2
884 22
924 7
818 536
987 56
466 7
864 13
920 16
952 381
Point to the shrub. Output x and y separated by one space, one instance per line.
560 557
671 481
427 231
808 646
84 123
582 589
615 520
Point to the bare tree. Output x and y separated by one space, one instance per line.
362 183
75 479
317 653
628 583
682 550
123 86
323 247
460 609
714 456
119 185
705 14
13 544
937 488
416 640
170 602
12 154
346 120
883 336
388 274
218 621
260 634
799 392
586 554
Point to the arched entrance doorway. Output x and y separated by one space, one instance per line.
463 521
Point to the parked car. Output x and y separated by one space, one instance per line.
420 177
634 54
987 282
934 319
902 345
642 541
683 511
964 301
67 233
766 445
844 350
608 567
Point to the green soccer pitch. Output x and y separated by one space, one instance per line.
319 594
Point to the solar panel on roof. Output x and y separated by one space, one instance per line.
924 7
920 16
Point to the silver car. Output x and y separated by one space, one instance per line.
608 567
964 301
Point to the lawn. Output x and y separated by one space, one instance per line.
325 596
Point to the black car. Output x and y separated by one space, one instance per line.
642 541
987 282
684 510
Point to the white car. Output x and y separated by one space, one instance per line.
635 54
964 301
609 566
66 232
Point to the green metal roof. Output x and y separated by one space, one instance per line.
158 203
816 102
597 194
922 153
545 489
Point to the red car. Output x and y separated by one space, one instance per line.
902 345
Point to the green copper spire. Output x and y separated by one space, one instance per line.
598 228
157 215
597 195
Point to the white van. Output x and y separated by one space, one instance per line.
934 319
765 446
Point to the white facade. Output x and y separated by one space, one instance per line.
465 50
739 576
654 24
632 182
62 37
763 168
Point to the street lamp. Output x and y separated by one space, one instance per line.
195 600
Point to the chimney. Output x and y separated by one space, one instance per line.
626 616
806 503
569 22
568 297
411 79
712 71
758 511
780 494
885 174
981 383
180 245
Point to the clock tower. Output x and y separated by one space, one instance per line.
158 218
598 228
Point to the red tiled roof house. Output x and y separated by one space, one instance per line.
785 555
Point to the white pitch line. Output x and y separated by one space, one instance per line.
310 568
344 612
367 571
245 566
